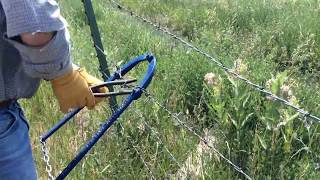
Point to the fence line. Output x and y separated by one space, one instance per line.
139 154
175 117
157 136
218 63
188 128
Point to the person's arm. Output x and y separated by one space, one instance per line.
36 29
36 39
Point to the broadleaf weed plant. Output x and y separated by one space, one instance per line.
265 138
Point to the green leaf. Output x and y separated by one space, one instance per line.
279 81
234 122
262 142
244 104
231 80
247 119
293 117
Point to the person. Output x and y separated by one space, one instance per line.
34 46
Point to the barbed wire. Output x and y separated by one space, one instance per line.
139 154
206 142
218 63
155 133
175 116
144 161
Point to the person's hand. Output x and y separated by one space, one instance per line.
73 89
92 81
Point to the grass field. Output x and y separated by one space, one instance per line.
274 43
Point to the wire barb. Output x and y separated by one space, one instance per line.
218 63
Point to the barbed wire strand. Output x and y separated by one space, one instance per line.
218 63
237 168
155 133
144 161
139 154
206 142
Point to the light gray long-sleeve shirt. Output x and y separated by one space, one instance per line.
21 66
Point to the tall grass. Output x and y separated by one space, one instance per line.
277 40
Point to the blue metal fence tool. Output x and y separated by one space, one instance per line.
135 93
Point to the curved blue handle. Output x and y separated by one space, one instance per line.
117 75
134 62
131 64
147 77
104 127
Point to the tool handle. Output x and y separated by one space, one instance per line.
105 126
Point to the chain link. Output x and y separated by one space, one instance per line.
46 159
218 63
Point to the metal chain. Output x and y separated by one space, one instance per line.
206 142
46 159
218 63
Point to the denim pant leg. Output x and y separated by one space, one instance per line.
16 161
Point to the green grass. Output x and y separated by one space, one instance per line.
271 38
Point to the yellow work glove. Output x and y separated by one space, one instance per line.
92 81
73 89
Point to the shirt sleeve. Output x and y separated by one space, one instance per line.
49 61
32 16
46 62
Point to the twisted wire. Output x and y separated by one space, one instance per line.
218 63
188 128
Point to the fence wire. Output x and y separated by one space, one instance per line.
156 134
230 71
175 117
141 156
142 159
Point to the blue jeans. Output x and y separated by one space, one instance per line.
16 161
